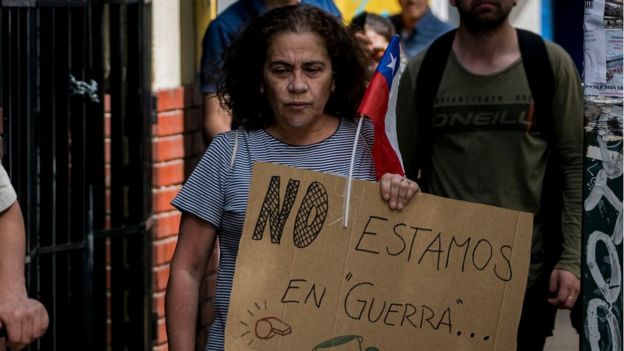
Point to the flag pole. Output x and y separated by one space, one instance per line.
350 179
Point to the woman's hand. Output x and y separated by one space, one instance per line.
397 190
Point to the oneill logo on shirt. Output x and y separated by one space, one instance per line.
463 118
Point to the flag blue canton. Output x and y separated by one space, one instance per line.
389 63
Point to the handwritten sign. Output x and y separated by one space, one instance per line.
440 275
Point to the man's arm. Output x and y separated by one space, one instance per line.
568 114
215 119
193 250
24 319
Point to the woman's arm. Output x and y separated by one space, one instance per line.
196 241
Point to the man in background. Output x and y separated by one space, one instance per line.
462 148
219 34
22 319
417 26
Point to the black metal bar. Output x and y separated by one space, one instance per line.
57 249
119 207
19 3
147 113
47 151
78 64
130 194
62 3
95 272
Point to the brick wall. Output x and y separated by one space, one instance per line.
177 146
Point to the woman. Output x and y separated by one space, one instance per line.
293 80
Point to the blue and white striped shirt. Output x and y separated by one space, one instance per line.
217 191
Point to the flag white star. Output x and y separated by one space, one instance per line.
392 64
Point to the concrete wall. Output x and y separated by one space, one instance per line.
174 41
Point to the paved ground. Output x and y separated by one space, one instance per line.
565 337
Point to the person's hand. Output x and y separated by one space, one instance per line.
365 44
24 320
397 190
565 286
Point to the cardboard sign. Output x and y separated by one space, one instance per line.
440 275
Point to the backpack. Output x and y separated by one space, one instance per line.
541 82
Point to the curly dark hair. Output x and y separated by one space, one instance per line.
241 76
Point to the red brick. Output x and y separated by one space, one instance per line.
107 125
166 224
107 103
107 176
168 148
108 252
107 151
163 250
168 173
161 332
158 302
161 198
170 123
107 221
170 99
161 276
108 277
107 201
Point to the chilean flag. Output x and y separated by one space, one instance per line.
379 104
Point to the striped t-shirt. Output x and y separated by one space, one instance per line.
218 189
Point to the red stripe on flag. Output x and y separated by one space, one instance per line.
375 101
374 105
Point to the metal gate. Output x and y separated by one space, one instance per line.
58 60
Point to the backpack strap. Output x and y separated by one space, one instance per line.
427 85
541 79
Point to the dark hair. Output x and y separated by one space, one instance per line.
381 25
241 78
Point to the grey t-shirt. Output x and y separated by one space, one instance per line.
487 150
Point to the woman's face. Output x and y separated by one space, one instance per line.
298 79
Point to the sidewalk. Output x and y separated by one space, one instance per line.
565 337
